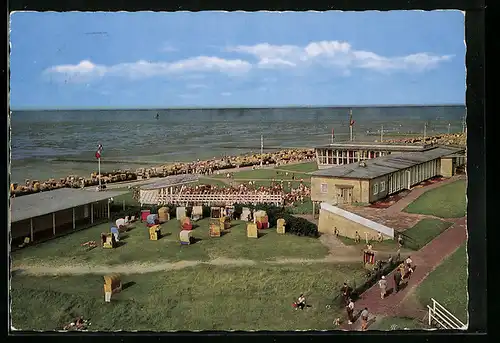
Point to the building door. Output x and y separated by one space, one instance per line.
347 195
344 195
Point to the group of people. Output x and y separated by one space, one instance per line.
349 305
404 271
293 196
215 165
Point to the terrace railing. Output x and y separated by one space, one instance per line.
439 315
154 198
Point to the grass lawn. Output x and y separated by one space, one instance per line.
301 167
293 184
423 232
419 235
387 244
266 174
194 298
137 246
205 181
448 201
397 323
447 284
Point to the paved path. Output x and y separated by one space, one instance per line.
426 260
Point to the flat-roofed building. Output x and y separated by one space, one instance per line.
342 153
47 214
371 180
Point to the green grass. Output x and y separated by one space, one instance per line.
388 244
423 232
293 184
397 323
448 201
205 181
194 298
138 247
419 235
300 168
447 284
266 174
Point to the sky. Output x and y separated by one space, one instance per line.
225 59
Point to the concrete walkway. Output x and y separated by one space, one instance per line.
425 260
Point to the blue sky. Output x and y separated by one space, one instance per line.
217 59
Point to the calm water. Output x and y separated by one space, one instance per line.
59 143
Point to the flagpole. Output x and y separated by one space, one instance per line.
261 148
99 171
350 125
332 136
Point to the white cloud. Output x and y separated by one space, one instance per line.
336 54
225 94
86 70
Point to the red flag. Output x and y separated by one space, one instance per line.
98 152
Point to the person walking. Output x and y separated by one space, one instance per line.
383 287
364 319
350 312
346 292
397 280
408 263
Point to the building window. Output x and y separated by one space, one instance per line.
324 188
382 186
375 189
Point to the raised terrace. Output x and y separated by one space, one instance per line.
342 153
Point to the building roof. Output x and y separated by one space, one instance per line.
377 146
171 181
384 165
39 204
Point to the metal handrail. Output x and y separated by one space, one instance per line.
443 317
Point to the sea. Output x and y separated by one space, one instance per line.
57 143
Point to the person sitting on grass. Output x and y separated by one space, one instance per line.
301 302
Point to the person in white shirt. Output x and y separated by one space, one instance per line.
383 287
408 263
301 302
350 311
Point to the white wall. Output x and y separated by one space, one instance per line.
358 219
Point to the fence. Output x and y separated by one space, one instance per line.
152 197
443 317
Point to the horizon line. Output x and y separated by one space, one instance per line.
223 107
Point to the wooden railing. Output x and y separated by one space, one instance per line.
153 198
442 317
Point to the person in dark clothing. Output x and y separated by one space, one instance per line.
346 292
397 280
